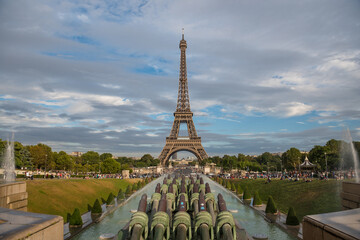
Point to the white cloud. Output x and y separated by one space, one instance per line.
83 18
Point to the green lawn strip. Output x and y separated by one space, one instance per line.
305 197
58 197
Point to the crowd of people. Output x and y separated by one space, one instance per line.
306 176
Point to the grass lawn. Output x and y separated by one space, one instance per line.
60 196
305 197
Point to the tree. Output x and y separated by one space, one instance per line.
110 165
22 156
41 155
265 158
291 158
90 157
63 161
317 156
147 159
105 156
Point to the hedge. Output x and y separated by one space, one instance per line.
291 218
97 207
110 199
257 200
75 219
247 195
270 206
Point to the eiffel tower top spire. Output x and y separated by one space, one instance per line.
183 102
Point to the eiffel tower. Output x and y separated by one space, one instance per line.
183 115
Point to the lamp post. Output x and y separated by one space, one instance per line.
326 167
45 166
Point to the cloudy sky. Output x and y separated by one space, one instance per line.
103 75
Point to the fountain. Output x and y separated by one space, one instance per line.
348 151
350 190
13 193
8 163
342 224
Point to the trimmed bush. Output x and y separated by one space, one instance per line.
291 218
128 190
247 195
239 190
228 185
68 216
270 206
89 207
110 199
75 219
233 187
121 194
257 200
103 200
97 207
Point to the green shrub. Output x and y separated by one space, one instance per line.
291 218
75 219
233 187
220 181
89 207
257 200
121 194
128 190
68 216
139 186
270 206
97 207
103 200
247 195
110 199
134 188
146 181
239 190
224 183
228 185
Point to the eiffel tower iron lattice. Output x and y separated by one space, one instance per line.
183 115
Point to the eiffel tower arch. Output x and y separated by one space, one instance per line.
183 116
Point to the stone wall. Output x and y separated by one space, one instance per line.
350 195
14 196
336 225
31 226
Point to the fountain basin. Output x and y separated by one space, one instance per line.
350 195
26 225
336 225
13 195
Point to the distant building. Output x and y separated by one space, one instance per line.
76 154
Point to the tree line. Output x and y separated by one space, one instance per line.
336 154
41 156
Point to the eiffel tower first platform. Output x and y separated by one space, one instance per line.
184 116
